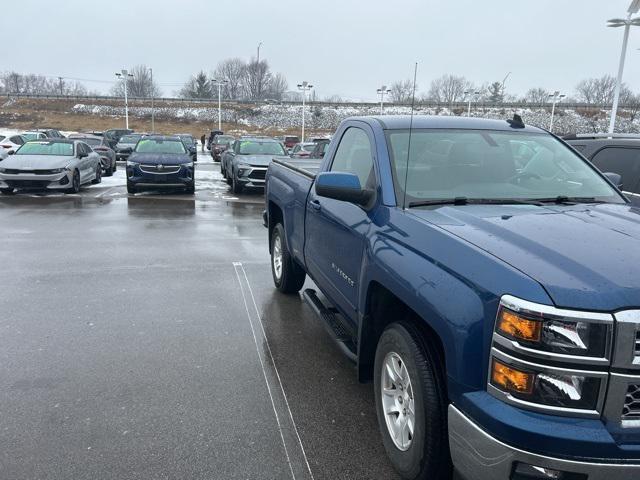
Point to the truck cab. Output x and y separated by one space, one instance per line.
491 296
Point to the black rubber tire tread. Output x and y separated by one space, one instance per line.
73 189
293 276
236 187
427 458
131 188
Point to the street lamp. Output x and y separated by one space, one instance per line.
470 95
556 98
304 87
153 110
626 23
382 91
258 58
125 75
219 83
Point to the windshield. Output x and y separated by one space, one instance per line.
29 136
94 142
483 164
223 139
160 146
308 147
46 148
130 138
250 147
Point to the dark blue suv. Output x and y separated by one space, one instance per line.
160 162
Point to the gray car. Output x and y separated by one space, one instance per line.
52 164
245 163
126 144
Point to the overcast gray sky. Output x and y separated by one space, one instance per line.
344 47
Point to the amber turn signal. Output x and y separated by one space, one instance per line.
510 379
513 325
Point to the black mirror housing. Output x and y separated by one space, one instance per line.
342 186
614 178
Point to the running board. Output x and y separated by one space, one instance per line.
332 322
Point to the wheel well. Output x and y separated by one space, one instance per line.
382 309
274 216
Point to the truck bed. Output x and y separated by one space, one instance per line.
307 167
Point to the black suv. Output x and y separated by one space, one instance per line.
616 153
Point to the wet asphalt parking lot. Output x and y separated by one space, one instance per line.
141 338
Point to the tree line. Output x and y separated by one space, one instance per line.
450 89
254 80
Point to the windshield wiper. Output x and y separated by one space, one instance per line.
474 201
565 200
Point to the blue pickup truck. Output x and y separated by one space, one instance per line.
492 296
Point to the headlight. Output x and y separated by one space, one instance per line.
544 388
531 342
132 164
242 168
58 170
3 170
550 333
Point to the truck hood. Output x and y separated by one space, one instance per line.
255 160
585 256
36 162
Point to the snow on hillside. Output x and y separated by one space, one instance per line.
328 117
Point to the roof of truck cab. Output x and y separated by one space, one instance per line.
402 122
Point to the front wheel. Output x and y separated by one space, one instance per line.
131 188
191 189
236 186
98 178
288 276
75 182
411 404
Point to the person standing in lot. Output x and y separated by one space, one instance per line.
203 139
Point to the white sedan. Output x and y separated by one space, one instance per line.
11 143
52 164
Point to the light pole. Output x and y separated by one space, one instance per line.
124 75
626 23
304 87
153 111
382 91
470 95
259 45
556 98
219 83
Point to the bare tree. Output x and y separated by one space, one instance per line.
256 79
449 89
537 96
277 86
401 91
600 91
139 86
231 71
198 86
496 92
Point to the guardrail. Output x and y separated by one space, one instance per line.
214 102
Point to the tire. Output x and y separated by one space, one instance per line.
7 191
115 167
191 189
131 188
75 183
109 171
98 178
424 454
288 276
236 187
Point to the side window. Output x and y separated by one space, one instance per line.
17 140
623 161
354 155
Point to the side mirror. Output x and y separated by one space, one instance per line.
127 150
82 154
11 152
614 178
342 186
193 150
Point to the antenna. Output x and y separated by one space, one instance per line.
413 103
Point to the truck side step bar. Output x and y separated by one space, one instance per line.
333 323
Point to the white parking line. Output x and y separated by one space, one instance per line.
286 401
104 193
264 372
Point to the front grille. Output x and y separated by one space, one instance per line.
258 174
636 349
631 410
160 169
27 183
11 171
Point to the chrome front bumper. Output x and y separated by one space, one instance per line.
477 455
